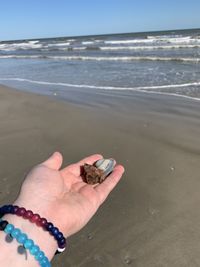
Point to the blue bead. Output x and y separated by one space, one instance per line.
28 243
62 241
44 260
9 208
34 250
59 236
39 256
22 238
4 208
55 231
12 209
49 226
45 264
15 233
9 228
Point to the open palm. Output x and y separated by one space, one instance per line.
62 196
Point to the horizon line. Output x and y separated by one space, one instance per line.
94 35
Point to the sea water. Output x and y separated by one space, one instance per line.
152 62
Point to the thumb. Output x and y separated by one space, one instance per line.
54 162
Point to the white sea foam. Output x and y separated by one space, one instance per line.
164 39
104 87
87 43
24 46
155 47
59 44
34 42
134 41
22 56
175 38
79 48
88 58
146 89
163 36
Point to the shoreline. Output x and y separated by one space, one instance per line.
151 218
82 89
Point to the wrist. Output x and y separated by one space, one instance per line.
41 238
38 234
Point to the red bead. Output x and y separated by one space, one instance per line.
28 214
42 222
35 218
21 211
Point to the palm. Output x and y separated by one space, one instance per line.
62 196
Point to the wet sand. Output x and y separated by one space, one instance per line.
152 217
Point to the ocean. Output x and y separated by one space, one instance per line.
152 62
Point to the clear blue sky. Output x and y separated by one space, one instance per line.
50 18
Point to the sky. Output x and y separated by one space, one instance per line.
26 19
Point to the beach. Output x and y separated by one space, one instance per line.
152 217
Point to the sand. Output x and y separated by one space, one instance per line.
152 217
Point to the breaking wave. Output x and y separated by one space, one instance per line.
110 58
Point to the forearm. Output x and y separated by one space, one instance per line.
10 256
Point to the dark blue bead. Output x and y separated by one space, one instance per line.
1 213
3 225
49 226
4 208
59 236
12 210
9 208
62 242
62 246
54 231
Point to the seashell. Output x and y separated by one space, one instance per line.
98 172
106 165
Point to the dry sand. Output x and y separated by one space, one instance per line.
152 218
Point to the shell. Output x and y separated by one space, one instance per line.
97 173
106 165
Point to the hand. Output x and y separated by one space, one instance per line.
61 196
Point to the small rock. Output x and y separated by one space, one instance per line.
172 168
128 261
90 236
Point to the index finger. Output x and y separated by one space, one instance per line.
107 186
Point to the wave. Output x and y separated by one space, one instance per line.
116 48
34 42
146 89
157 39
24 46
149 43
155 47
134 41
58 44
87 58
87 42
164 36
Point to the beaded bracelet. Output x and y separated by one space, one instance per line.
27 243
35 218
